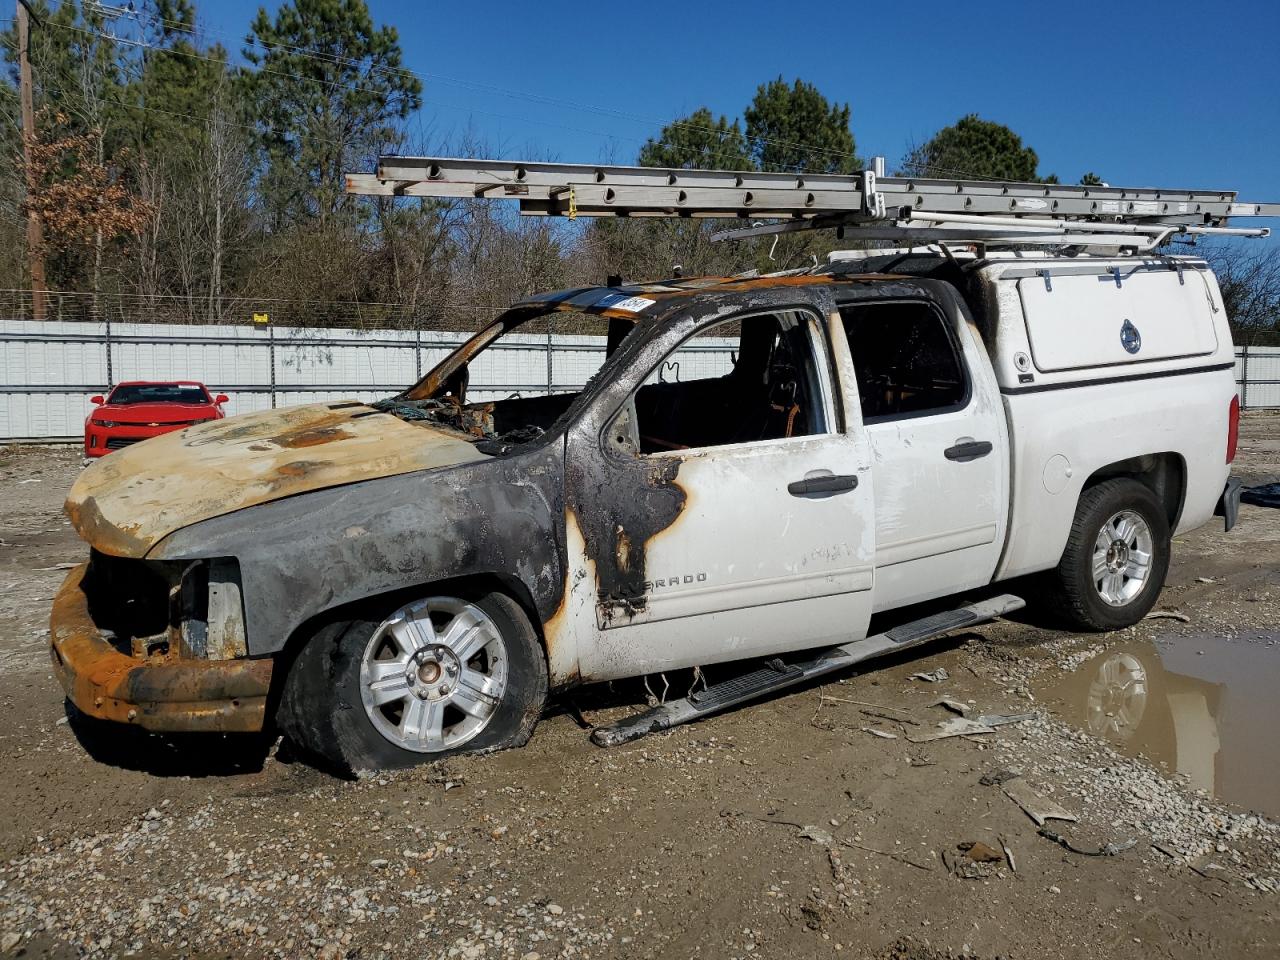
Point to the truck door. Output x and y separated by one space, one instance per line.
730 515
938 438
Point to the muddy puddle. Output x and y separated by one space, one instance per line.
1204 707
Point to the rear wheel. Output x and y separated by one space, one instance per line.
438 676
1116 558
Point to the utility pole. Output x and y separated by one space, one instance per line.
35 239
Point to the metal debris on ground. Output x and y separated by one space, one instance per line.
955 706
883 734
1036 807
1199 869
1168 615
955 727
1108 849
996 777
932 676
1008 854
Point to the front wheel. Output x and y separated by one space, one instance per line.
435 677
1116 558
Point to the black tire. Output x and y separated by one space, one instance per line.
1071 590
321 711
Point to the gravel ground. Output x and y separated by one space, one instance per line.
780 830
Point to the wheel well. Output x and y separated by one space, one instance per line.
1164 474
379 604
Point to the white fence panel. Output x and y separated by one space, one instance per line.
1262 365
50 369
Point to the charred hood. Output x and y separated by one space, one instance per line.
129 501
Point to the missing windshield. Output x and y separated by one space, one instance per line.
512 381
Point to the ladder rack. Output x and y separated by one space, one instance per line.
876 207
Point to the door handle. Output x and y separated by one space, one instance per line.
968 450
810 485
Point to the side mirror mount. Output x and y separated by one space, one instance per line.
221 398
97 399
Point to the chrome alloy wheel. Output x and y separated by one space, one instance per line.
1122 558
433 674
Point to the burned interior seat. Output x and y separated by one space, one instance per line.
765 396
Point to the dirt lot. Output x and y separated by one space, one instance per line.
784 829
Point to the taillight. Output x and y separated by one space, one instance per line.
1233 427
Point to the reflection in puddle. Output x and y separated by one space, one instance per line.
1204 707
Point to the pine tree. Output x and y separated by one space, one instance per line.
328 92
698 142
975 149
796 129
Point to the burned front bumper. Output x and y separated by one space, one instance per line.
163 692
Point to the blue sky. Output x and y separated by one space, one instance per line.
1174 94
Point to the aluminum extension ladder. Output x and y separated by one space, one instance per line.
876 207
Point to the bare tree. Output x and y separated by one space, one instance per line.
211 205
1249 277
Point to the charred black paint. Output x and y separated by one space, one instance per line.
303 555
621 503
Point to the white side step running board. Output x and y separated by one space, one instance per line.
777 674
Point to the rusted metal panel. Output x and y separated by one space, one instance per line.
226 630
160 693
126 503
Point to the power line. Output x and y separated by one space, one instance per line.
329 83
930 169
335 60
472 84
294 76
205 120
961 174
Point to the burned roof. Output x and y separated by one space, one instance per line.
635 299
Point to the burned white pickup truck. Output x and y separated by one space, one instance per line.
754 467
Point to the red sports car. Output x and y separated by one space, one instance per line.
142 409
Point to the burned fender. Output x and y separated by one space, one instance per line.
302 556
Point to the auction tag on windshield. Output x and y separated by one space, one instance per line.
616 301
